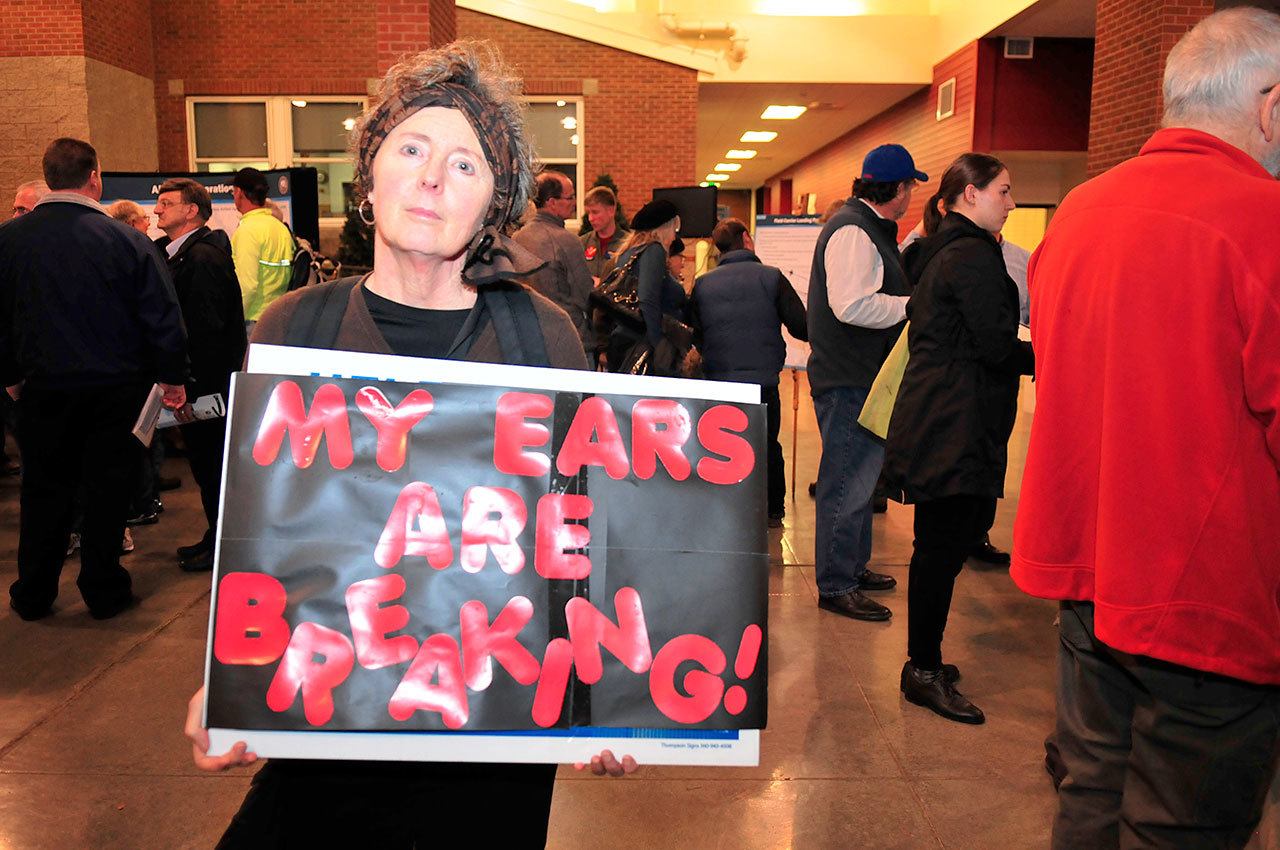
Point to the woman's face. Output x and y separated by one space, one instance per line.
667 233
431 185
990 207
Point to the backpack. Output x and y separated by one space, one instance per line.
304 270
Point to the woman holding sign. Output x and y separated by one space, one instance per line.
946 447
443 164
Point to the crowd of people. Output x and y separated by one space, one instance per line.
1151 489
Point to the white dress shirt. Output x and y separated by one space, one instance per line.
855 273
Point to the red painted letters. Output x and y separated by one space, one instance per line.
285 414
317 661
437 659
481 643
393 423
554 536
250 627
416 502
512 434
370 622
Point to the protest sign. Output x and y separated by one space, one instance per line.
499 552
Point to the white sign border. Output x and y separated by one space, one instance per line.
647 746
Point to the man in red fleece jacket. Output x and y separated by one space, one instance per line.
1150 504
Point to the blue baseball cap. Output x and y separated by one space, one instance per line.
889 164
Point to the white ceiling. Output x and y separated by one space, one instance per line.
726 110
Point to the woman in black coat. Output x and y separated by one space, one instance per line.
947 442
653 230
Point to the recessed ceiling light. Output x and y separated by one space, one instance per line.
559 103
299 103
758 136
728 166
737 154
717 178
774 112
704 184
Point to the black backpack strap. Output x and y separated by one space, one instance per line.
318 317
516 323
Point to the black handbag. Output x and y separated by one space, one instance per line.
618 295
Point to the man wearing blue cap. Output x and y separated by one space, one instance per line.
857 305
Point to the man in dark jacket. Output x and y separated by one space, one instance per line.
564 279
857 305
88 322
209 294
738 311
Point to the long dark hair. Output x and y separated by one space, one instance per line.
978 169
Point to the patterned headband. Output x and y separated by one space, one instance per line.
486 119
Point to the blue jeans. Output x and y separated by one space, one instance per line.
847 473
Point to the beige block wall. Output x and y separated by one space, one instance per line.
41 98
122 117
44 97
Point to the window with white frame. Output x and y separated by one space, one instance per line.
555 129
229 133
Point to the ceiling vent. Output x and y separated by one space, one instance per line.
947 99
1019 47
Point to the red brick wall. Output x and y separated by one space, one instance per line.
1134 38
326 47
912 122
641 128
41 28
1037 104
408 26
118 32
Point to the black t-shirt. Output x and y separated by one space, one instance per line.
413 331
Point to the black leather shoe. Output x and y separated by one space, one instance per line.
149 515
201 562
186 553
930 688
855 605
951 673
876 581
106 612
988 554
28 614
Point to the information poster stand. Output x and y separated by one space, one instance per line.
787 242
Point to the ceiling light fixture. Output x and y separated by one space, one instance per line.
717 178
299 103
758 136
776 112
728 166
737 154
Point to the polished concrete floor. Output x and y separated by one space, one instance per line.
92 755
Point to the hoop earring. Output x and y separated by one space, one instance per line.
360 212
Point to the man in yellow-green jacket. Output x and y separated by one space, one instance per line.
261 246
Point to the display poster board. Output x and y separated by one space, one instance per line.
431 560
292 189
787 242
